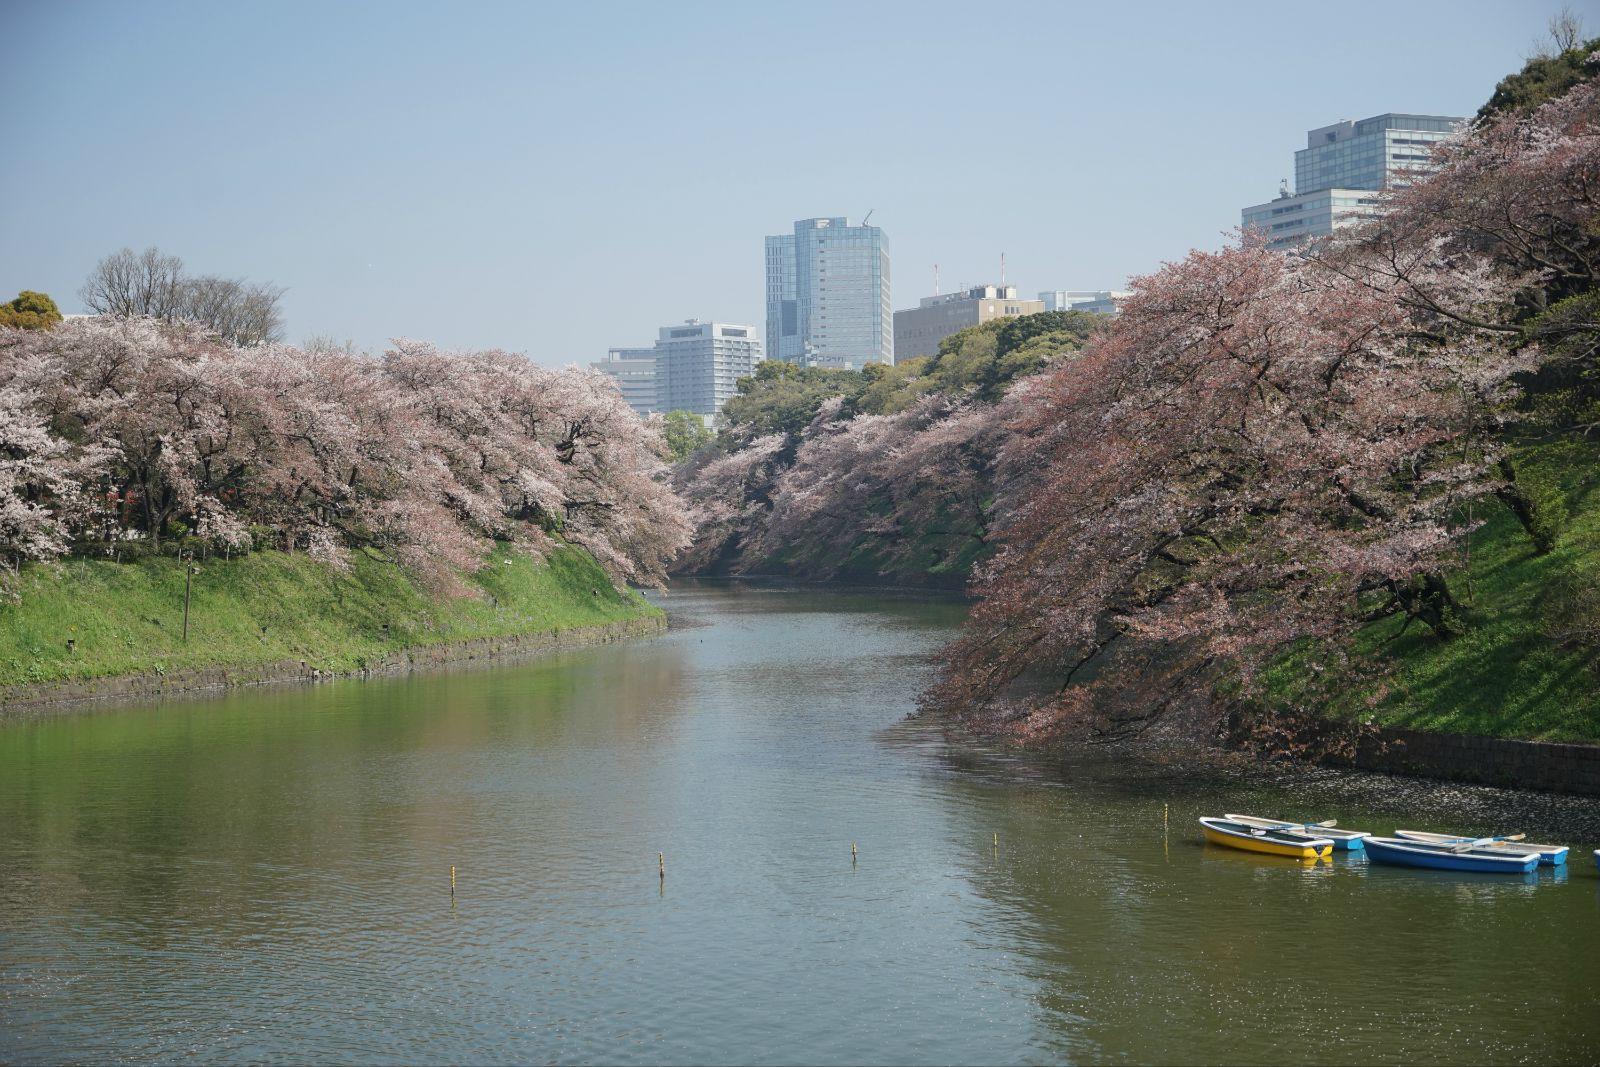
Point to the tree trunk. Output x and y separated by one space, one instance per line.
1538 518
1428 597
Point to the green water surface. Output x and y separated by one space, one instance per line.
265 876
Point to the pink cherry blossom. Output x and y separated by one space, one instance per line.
116 428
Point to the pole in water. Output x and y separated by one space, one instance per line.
661 864
452 879
852 852
1163 817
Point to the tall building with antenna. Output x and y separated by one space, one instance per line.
828 297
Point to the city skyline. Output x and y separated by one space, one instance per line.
369 169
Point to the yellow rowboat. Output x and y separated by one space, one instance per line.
1346 839
1272 842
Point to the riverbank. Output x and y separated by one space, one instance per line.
1506 675
919 559
1434 755
92 630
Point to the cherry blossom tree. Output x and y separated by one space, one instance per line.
523 451
421 456
730 496
896 485
1261 452
915 478
1522 190
1266 453
41 476
1516 197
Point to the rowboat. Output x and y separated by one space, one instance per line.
1549 855
1398 850
1272 842
1342 839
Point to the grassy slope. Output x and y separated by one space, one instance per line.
127 618
1504 678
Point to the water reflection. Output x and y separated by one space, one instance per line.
266 876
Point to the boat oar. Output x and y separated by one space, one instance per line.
1293 827
1468 846
1324 825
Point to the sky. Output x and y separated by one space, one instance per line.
558 179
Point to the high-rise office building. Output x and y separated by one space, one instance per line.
635 372
1340 169
1099 301
828 299
918 330
698 364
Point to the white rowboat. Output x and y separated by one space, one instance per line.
1549 855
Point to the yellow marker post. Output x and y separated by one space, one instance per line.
452 880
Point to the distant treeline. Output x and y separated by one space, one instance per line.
882 474
136 432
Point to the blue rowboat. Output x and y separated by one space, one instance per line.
1403 853
1549 855
1349 840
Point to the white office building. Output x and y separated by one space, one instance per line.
1341 171
698 364
635 372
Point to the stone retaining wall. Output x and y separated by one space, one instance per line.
1484 760
25 700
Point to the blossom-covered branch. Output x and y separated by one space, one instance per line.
119 428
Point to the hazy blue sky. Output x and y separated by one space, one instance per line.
561 178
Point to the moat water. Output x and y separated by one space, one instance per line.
265 876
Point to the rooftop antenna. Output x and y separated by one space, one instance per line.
1002 270
870 210
936 279
1283 188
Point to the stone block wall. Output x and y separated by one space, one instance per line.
1484 760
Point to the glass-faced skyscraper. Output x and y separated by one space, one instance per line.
828 301
1339 170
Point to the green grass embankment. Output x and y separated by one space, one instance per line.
1505 676
272 607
